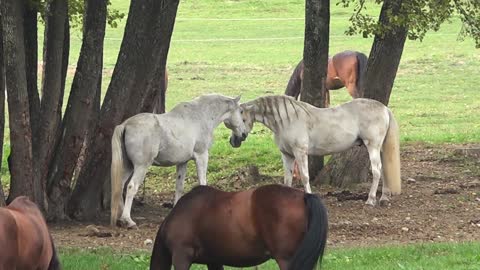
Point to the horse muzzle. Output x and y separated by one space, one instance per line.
236 141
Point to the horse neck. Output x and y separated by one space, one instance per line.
269 112
216 114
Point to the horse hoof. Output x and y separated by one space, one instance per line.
370 202
132 227
384 203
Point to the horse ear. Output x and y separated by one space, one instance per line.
237 99
249 107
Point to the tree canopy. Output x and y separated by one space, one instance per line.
419 17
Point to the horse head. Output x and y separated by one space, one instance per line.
247 117
235 121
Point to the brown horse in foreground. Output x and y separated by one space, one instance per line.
345 69
25 242
242 229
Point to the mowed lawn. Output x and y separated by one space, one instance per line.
415 257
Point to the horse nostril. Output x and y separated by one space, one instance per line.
244 136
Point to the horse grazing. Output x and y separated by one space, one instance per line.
173 138
345 69
25 242
301 129
242 229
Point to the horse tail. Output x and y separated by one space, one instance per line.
54 262
313 244
295 82
161 256
391 157
117 170
362 60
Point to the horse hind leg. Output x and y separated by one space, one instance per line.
374 154
385 191
138 176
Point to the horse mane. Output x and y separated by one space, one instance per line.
295 82
270 107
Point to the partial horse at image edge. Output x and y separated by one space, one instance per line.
210 226
22 222
345 69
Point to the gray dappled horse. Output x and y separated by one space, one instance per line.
173 138
301 129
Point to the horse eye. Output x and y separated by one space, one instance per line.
241 111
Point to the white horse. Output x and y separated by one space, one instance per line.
173 138
301 129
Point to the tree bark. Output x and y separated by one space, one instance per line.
2 107
145 44
353 166
156 104
20 160
52 89
315 58
81 110
31 64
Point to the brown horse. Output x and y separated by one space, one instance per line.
242 229
345 69
25 242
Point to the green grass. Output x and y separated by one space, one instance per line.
435 96
411 257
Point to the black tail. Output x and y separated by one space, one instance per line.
313 244
54 262
295 82
161 257
362 60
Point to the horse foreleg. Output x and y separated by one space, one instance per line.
374 154
179 186
181 261
288 162
132 188
201 161
302 161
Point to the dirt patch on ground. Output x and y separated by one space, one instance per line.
440 202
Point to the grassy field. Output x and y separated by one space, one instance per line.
414 257
250 47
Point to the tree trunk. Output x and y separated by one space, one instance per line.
161 84
315 58
52 89
20 160
353 166
31 62
145 44
82 108
2 107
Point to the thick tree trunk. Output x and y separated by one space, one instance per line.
353 166
2 107
315 58
159 91
54 69
81 110
20 160
145 45
31 62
